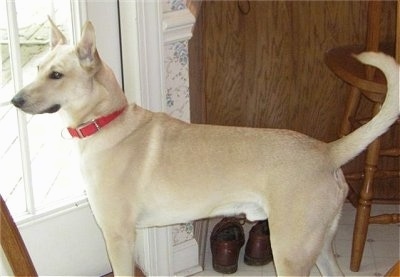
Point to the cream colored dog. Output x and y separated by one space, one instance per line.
148 169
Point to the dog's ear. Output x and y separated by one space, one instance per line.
56 37
86 48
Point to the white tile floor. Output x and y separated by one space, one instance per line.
381 250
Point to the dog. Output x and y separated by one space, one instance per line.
143 168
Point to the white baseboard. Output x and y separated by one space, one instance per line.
186 258
189 271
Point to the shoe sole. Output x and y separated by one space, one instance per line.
257 261
225 269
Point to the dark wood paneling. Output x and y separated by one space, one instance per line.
265 69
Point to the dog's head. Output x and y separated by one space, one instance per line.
64 76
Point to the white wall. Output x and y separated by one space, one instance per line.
67 244
5 269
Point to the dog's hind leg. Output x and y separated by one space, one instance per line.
291 258
326 261
121 253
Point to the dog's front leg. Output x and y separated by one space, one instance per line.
120 250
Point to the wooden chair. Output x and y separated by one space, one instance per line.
366 82
394 271
13 245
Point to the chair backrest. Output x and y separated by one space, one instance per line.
374 12
373 25
398 32
373 32
13 245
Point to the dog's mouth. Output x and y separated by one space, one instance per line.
52 109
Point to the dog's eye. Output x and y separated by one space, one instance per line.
56 75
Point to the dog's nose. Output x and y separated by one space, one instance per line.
18 101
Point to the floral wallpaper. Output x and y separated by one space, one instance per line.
175 5
177 80
182 233
176 64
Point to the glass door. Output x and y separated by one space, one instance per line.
39 174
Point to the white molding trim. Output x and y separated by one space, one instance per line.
200 235
178 25
150 54
158 251
186 258
130 51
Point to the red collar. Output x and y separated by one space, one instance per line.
91 127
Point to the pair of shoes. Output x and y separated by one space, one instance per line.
227 238
258 249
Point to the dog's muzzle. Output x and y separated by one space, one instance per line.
19 102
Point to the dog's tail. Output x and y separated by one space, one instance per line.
348 147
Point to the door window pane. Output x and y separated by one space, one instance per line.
47 174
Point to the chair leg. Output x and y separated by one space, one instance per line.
360 234
352 102
364 206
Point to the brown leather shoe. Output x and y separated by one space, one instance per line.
227 238
258 248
